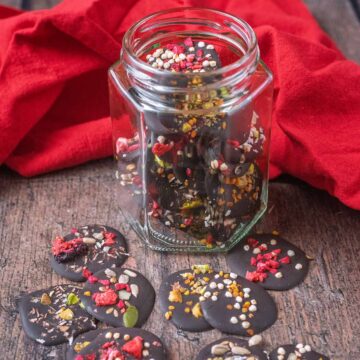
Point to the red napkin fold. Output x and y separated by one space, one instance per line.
54 99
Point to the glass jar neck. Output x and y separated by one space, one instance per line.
234 38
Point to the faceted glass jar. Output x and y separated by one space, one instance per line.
192 148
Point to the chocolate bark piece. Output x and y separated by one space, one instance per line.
80 342
121 343
106 247
237 306
269 260
119 297
296 352
179 295
231 348
55 315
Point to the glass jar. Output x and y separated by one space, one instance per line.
191 103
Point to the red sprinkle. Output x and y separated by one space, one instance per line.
188 221
109 238
285 260
92 279
134 347
188 172
252 242
104 282
74 230
109 297
120 304
178 49
233 143
160 149
253 261
62 246
86 273
188 42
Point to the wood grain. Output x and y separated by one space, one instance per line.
322 312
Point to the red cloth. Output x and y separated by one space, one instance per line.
53 81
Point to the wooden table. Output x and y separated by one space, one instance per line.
323 311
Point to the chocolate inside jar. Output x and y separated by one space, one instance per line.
200 165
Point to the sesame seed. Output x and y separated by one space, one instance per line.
291 252
256 251
279 275
246 247
298 266
201 44
214 298
281 351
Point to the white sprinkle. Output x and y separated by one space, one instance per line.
234 320
237 306
148 56
212 63
161 139
228 294
239 299
207 294
214 298
246 247
291 252
242 317
281 351
253 301
252 308
247 290
217 276
307 348
273 242
151 59
264 246
233 275
171 61
246 296
130 273
166 65
109 273
245 324
213 285
108 335
160 63
214 164
279 275
201 44
302 350
191 48
220 286
227 281
280 357
163 56
170 54
202 298
255 340
210 47
182 56
299 346
154 64
205 63
298 266
256 251
134 290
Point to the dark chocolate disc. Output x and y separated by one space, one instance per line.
119 297
87 250
179 295
54 315
296 352
269 260
119 343
80 342
231 348
237 306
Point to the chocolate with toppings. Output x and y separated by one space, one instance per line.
179 297
117 343
54 315
119 297
296 352
270 261
86 250
237 306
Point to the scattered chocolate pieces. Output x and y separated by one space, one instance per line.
54 315
296 352
87 250
179 297
237 306
269 260
232 348
117 343
119 297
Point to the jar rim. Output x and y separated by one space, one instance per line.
250 53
